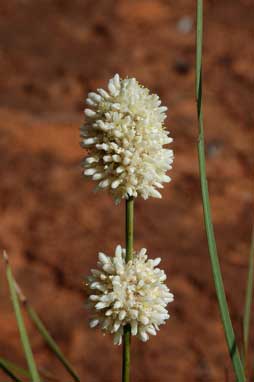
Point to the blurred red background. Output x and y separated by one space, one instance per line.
52 224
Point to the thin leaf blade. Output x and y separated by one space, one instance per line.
15 368
248 300
20 322
47 337
50 341
5 367
218 281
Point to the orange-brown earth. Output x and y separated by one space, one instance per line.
52 224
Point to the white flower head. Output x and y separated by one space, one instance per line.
131 293
124 134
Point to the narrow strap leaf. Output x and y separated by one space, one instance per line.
228 329
15 368
20 371
46 335
20 322
50 342
248 300
8 370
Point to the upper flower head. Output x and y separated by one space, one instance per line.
128 293
124 134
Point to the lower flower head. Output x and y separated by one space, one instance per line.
131 293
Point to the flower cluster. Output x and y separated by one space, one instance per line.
124 134
132 292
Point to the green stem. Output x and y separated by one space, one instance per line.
129 222
225 317
248 303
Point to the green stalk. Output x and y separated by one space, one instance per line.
22 329
129 223
5 367
225 317
45 334
248 302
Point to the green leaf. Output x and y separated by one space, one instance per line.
17 370
8 370
248 301
223 306
14 368
46 335
22 329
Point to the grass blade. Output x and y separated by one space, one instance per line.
14 368
228 329
22 329
5 366
17 370
45 334
50 342
248 301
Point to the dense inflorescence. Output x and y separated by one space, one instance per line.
124 134
132 292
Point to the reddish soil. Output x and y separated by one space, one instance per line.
52 224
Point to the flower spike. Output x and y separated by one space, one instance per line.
131 293
124 135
